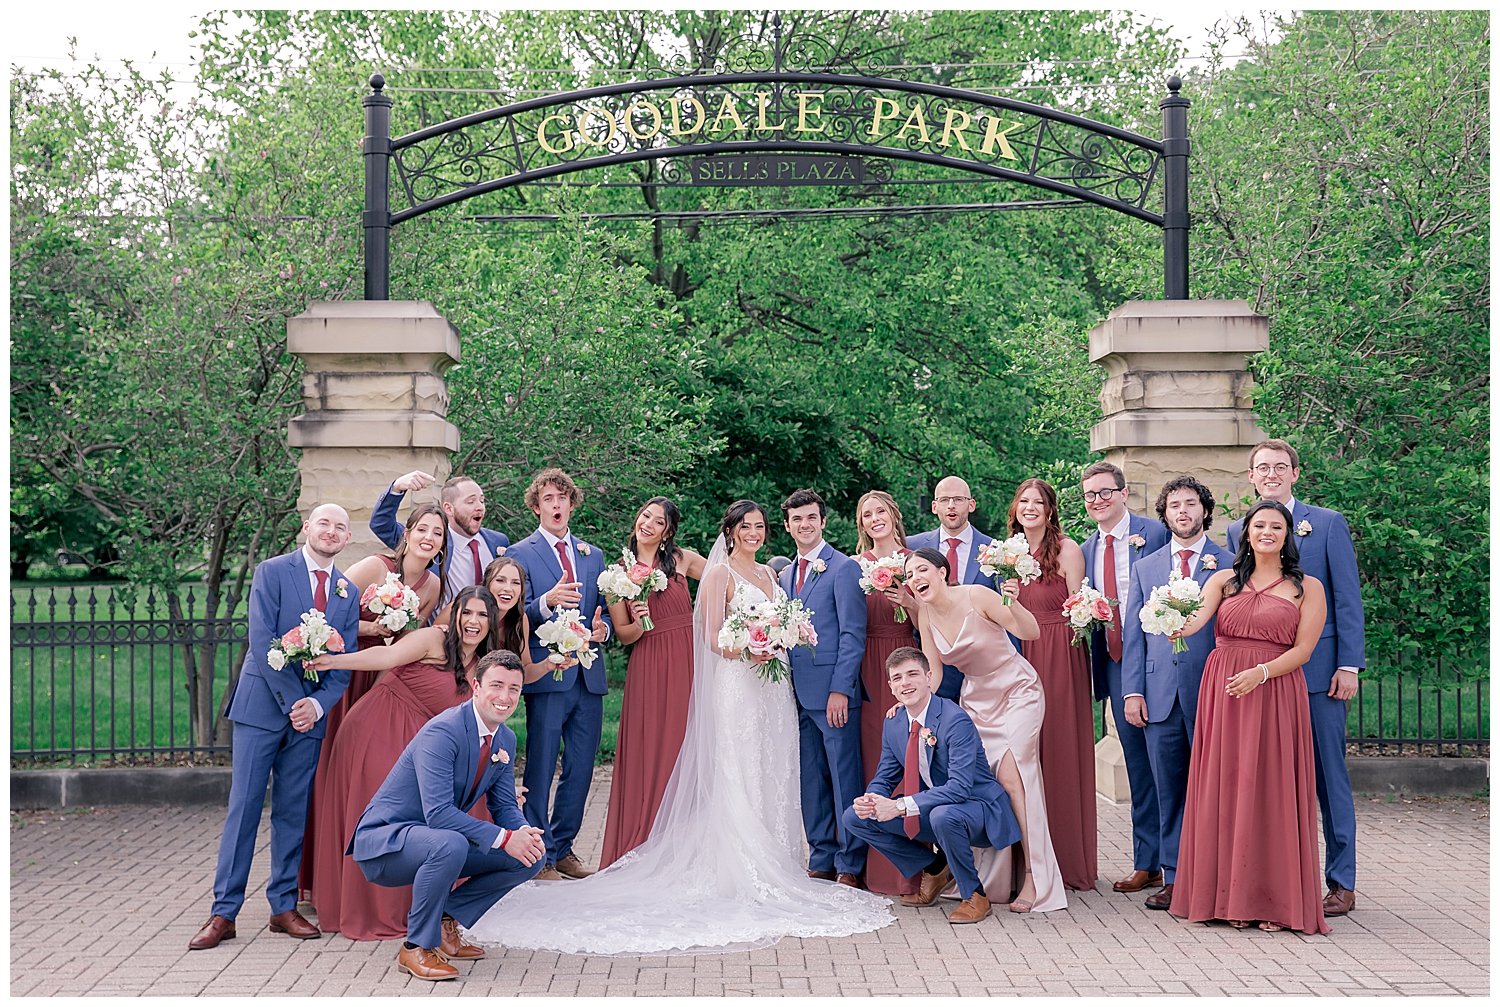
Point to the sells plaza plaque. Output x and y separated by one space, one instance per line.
776 169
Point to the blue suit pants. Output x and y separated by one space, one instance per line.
1330 723
832 778
571 723
1145 818
1169 744
955 828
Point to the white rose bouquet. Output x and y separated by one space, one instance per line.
767 629
566 636
883 573
313 638
1010 559
1169 608
630 580
1086 609
395 603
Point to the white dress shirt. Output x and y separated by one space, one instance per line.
965 548
552 541
461 562
811 556
924 761
1196 548
485 732
1121 534
312 582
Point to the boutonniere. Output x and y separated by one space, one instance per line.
1137 542
342 587
584 550
501 755
1209 561
818 566
1304 528
928 738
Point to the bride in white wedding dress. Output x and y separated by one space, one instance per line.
722 868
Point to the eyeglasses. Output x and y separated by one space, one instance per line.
1280 468
1089 496
946 501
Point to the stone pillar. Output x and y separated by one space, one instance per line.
1176 401
377 404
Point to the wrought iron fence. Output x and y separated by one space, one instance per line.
99 673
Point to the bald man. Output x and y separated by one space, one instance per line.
959 541
278 725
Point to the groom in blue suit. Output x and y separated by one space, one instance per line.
933 786
566 714
1161 687
1326 551
278 725
416 832
958 541
1109 556
826 684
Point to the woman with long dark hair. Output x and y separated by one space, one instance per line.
422 674
658 680
1249 848
1067 747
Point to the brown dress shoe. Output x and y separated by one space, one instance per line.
1338 901
971 910
852 880
294 924
928 888
549 873
424 963
822 875
218 928
1136 880
1161 900
453 944
571 867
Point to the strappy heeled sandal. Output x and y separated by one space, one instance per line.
1024 904
1240 924
1270 927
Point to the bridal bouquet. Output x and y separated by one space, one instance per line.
566 635
629 580
1169 608
766 629
1086 609
313 638
879 574
1010 560
395 603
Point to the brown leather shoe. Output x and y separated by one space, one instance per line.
218 928
852 880
822 875
571 867
1338 901
549 873
929 887
971 910
424 963
294 924
453 944
1161 900
1136 880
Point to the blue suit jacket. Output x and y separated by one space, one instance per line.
952 677
959 769
280 593
1147 664
430 785
1327 553
840 616
384 526
1156 536
543 571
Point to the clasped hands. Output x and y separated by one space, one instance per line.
882 809
303 715
525 844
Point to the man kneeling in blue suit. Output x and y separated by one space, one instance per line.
948 795
415 830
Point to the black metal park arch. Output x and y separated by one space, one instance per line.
798 98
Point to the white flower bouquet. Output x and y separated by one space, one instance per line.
393 602
1169 608
1010 559
767 629
630 580
566 636
313 638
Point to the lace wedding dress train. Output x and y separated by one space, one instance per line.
722 868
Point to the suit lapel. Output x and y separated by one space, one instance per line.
469 760
548 555
934 720
971 568
303 585
1089 545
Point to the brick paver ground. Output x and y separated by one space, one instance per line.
103 902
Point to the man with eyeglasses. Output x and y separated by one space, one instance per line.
959 542
1326 551
1108 556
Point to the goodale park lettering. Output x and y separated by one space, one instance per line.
753 116
784 169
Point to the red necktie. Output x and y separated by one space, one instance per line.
801 574
478 570
911 781
320 593
1111 589
953 561
1183 555
567 564
484 758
